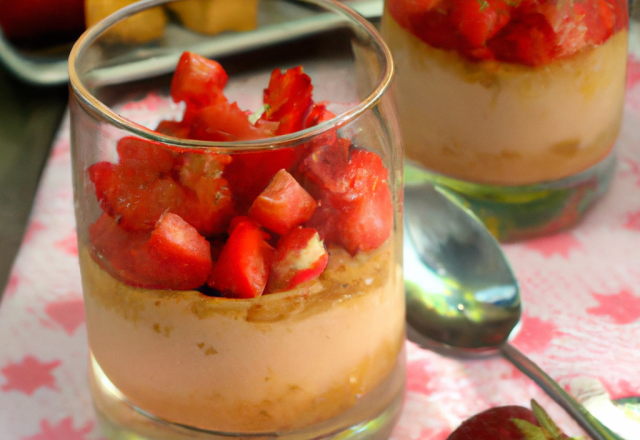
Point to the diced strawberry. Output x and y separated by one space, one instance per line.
479 20
402 10
144 155
102 174
177 129
198 81
529 32
118 251
240 219
269 128
193 165
436 27
283 204
317 115
621 13
289 99
528 40
249 173
366 223
179 257
599 20
138 207
242 271
224 122
358 212
326 165
300 257
208 205
365 173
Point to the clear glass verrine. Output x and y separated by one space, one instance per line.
291 323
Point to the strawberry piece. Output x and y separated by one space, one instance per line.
139 189
355 207
528 40
240 219
224 122
144 155
138 198
103 175
177 129
207 205
599 20
300 257
283 204
327 164
367 222
118 251
436 28
317 115
478 21
326 220
365 173
198 81
134 200
403 10
178 257
242 271
288 97
367 210
249 173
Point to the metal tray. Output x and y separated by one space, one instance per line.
50 68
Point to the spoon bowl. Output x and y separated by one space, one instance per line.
462 296
460 290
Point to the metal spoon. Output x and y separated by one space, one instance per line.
462 296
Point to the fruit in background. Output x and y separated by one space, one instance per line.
30 20
139 28
532 33
509 423
214 16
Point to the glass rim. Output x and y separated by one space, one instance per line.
94 104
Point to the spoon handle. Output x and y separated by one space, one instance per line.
590 424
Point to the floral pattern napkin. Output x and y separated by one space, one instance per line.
581 291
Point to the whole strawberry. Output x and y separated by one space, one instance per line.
509 423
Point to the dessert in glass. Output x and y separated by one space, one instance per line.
515 105
240 232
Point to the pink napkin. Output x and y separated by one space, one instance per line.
581 324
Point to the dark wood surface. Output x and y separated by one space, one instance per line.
29 118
